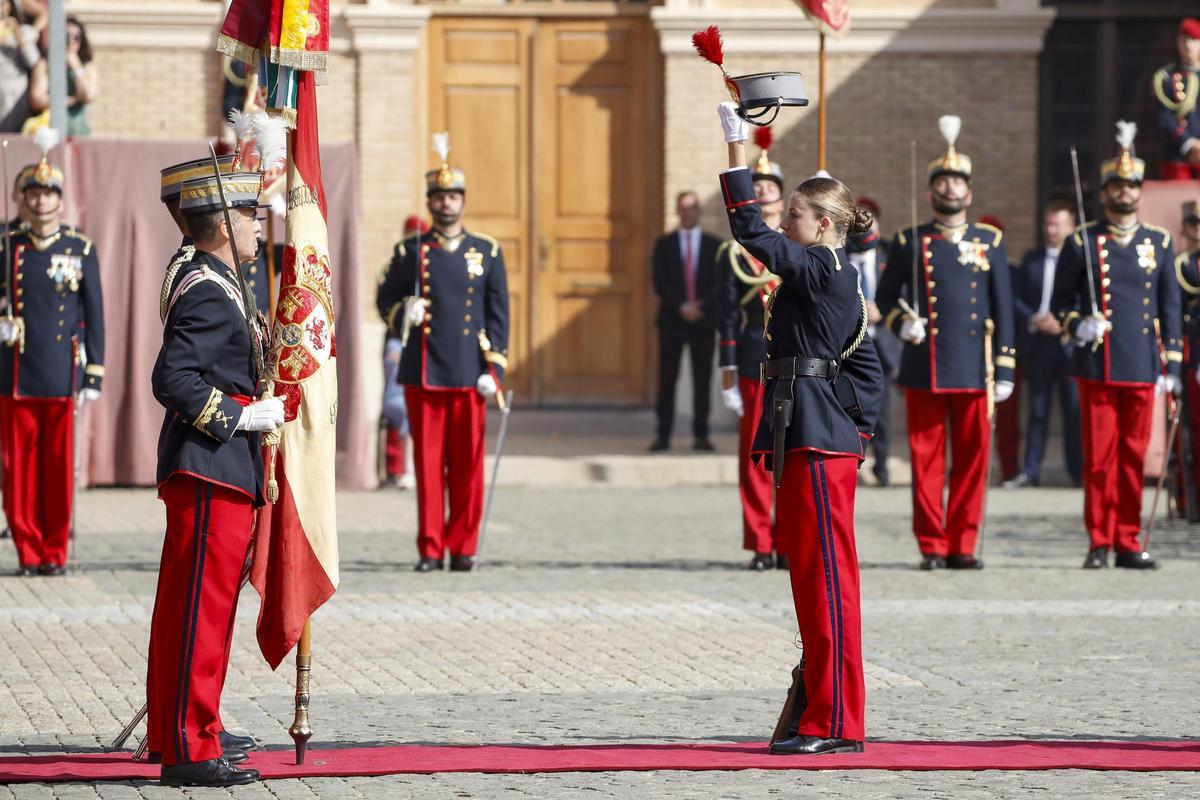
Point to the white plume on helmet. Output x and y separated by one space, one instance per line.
441 145
241 123
270 139
46 139
1126 133
950 126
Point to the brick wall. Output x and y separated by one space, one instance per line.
876 105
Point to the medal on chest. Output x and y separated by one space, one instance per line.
474 260
974 254
66 271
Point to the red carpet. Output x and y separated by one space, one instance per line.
1148 756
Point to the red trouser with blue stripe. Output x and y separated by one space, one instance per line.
754 482
208 533
38 440
815 514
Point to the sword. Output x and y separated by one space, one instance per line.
260 366
916 306
1172 432
1087 247
74 449
989 382
8 259
505 405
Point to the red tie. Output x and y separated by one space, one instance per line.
689 268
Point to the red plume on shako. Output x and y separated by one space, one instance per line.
756 95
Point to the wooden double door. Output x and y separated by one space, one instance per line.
557 125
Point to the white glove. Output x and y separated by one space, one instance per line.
486 385
88 395
736 129
1003 391
1168 383
1090 329
262 415
10 331
414 311
732 398
912 330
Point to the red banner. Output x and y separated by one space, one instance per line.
831 17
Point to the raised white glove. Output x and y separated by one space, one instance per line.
1168 383
1003 391
88 395
262 415
414 311
736 129
732 398
10 331
486 385
1090 329
912 330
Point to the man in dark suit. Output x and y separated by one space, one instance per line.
685 282
1046 358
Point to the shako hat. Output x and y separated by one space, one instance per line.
445 178
950 162
201 195
1125 166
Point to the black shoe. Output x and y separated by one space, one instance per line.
428 565
1019 481
233 755
659 445
1135 561
27 571
52 570
881 475
963 561
932 562
462 563
762 562
704 445
214 772
231 741
815 746
781 562
1097 558
6 533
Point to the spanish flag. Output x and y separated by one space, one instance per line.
295 566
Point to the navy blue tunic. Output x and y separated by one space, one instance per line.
816 312
465 284
1176 89
205 361
1136 288
57 294
963 281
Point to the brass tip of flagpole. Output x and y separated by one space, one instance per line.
301 731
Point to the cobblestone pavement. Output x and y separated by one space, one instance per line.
611 615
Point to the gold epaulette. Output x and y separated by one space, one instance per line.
495 245
1166 234
992 229
1078 235
77 234
1180 107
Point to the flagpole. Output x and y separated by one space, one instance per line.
821 102
301 731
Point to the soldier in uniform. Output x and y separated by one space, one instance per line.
173 178
1187 271
743 286
962 299
1126 326
52 356
445 295
1176 88
210 477
815 428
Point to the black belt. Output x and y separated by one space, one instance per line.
797 367
782 398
